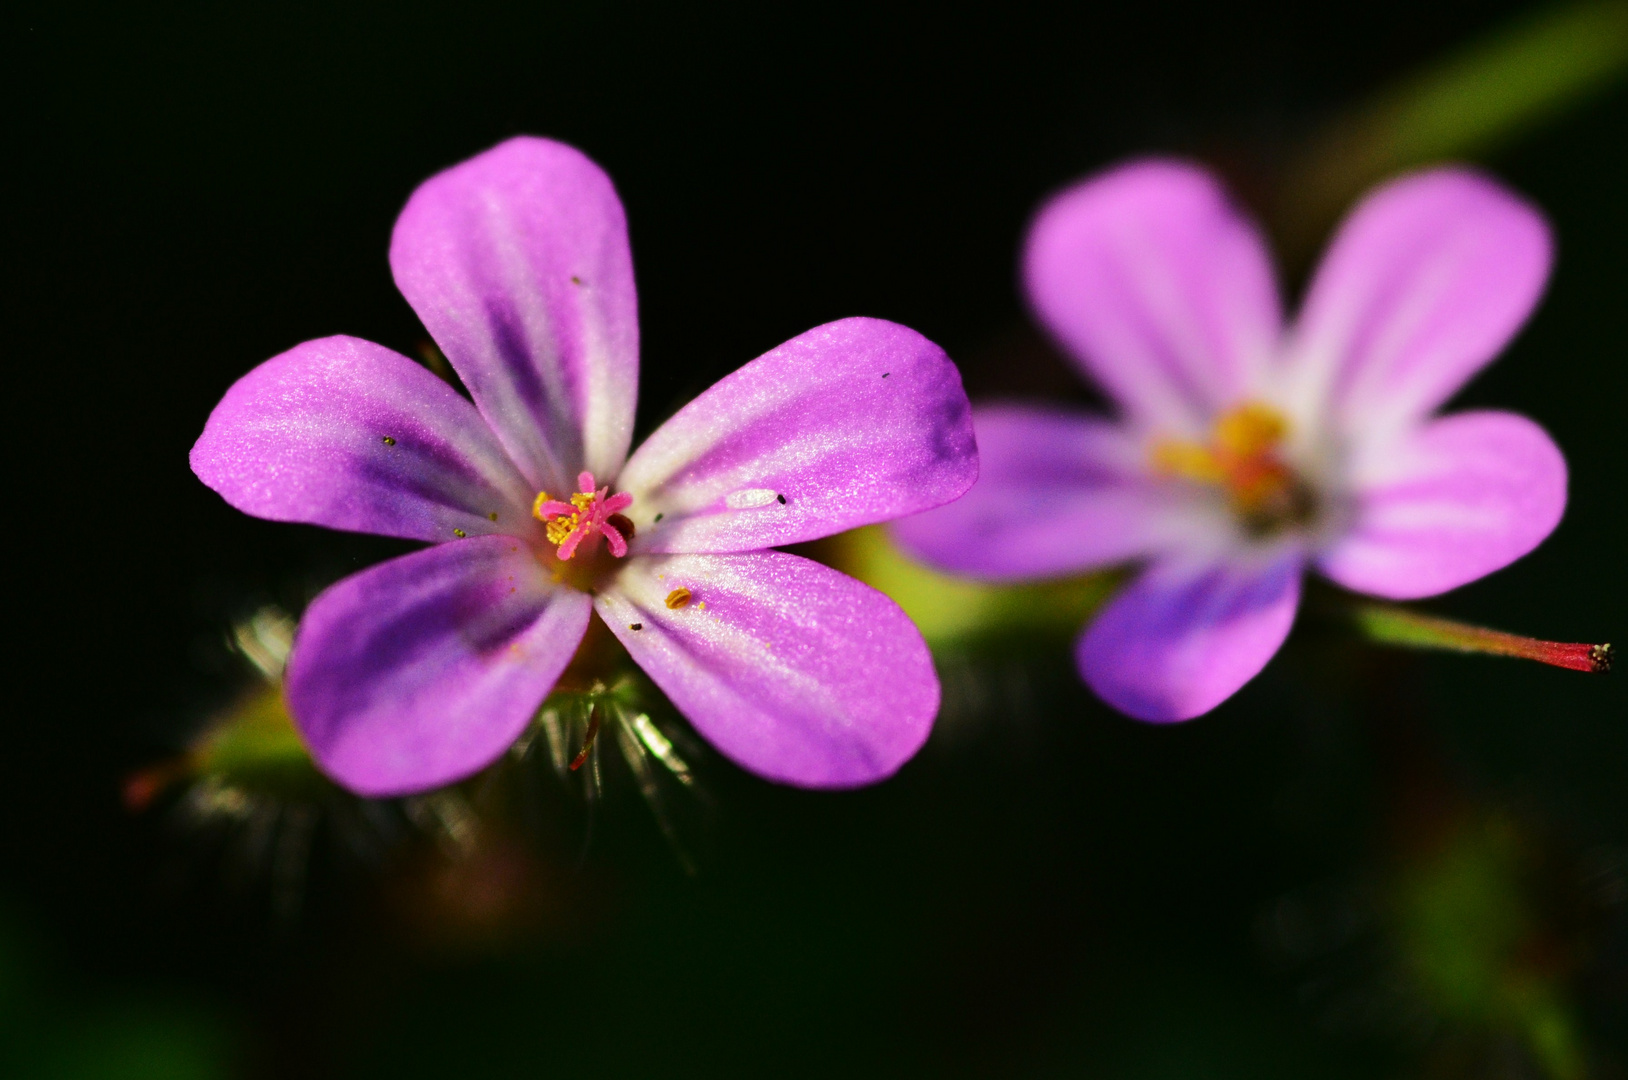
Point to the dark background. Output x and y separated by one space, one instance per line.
1050 889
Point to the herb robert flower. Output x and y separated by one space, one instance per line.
425 668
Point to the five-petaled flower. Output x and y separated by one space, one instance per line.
1245 451
425 668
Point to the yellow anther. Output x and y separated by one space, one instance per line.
1188 460
560 528
1250 430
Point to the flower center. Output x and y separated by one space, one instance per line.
590 512
1242 460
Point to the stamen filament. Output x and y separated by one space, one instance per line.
588 740
1398 626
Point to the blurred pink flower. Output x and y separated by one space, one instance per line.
1246 451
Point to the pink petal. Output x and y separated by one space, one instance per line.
1177 642
344 433
1459 498
794 671
1159 287
1426 282
1057 492
517 261
424 669
854 422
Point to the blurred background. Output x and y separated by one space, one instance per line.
1367 864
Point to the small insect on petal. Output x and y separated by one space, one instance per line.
678 598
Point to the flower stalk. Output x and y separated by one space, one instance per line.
1394 625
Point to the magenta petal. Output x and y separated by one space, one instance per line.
517 261
344 433
1426 281
1057 492
794 671
854 422
1178 642
422 670
1156 283
1459 498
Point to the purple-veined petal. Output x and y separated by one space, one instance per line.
1057 492
517 261
792 670
1453 501
1424 283
424 669
344 433
854 422
1180 640
1159 287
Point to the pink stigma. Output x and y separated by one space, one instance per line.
591 511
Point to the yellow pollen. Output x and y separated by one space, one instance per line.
1241 458
678 598
1250 430
560 528
1188 460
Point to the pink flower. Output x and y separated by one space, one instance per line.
1246 451
421 670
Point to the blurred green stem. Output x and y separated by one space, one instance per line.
949 610
1468 105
